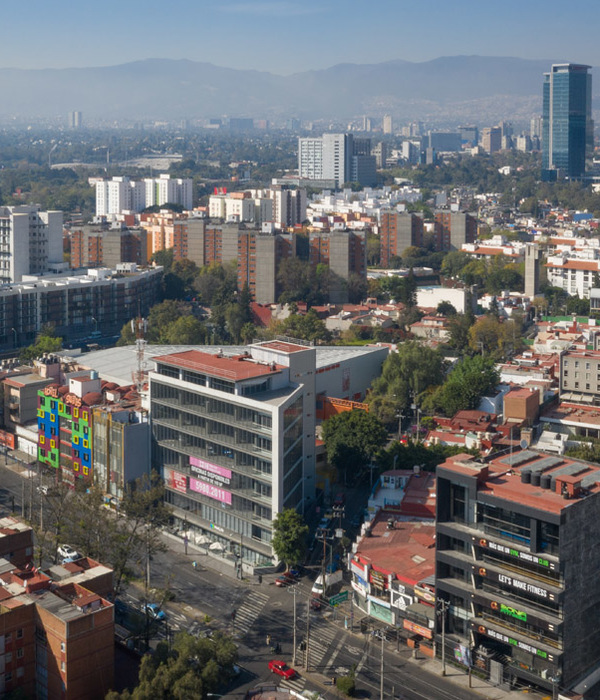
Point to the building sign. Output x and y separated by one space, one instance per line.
524 586
379 611
417 629
356 569
424 594
400 600
462 654
210 490
211 473
502 609
514 642
72 400
516 553
177 481
378 579
51 391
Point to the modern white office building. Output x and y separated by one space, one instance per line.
234 438
30 241
338 158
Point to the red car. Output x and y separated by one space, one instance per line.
282 669
286 579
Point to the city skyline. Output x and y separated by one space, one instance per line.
283 38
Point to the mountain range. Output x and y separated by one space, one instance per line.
444 90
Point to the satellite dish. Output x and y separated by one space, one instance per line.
523 444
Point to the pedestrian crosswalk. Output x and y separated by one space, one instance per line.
296 685
321 640
248 611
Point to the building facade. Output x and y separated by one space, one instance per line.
511 537
338 158
234 439
399 231
454 229
345 253
567 126
123 194
30 241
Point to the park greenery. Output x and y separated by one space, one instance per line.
192 668
289 537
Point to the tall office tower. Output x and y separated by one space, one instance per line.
388 124
75 120
491 139
532 270
469 135
535 127
380 152
30 241
338 158
399 231
567 126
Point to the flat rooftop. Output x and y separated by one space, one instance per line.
117 364
233 368
567 480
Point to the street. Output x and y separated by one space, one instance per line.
205 599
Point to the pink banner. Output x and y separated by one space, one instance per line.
210 467
210 491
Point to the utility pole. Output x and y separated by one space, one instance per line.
294 633
381 668
444 605
307 651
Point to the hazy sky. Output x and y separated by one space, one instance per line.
286 36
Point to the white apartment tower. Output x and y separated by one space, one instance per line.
30 241
122 194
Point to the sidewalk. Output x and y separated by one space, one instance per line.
453 674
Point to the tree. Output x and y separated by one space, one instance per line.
186 330
46 342
193 669
351 439
495 337
407 374
289 537
305 327
446 309
469 380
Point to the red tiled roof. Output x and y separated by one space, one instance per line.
577 265
233 368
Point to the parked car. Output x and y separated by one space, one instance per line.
155 612
65 551
285 579
282 669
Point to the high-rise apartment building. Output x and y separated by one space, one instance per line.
75 120
388 124
98 246
338 158
345 253
122 194
399 231
30 241
234 438
567 126
454 229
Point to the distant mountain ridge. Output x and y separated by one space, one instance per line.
447 88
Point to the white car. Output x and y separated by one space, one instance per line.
67 552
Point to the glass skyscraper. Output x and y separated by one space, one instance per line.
567 127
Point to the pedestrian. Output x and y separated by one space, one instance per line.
268 640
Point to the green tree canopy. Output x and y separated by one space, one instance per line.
289 537
470 379
351 439
46 341
412 371
305 327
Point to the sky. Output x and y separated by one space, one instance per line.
288 36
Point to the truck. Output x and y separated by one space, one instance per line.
330 579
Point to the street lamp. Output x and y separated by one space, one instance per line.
95 324
15 332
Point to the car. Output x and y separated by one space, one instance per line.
295 571
315 603
153 610
282 669
65 551
284 580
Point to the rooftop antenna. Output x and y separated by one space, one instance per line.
139 326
